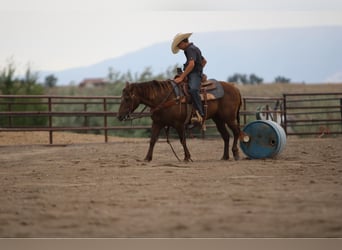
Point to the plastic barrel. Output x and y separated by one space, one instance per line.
266 139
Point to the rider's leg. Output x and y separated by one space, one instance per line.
194 90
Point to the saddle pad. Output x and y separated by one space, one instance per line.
213 92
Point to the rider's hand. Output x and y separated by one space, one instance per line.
178 80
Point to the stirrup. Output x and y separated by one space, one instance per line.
197 119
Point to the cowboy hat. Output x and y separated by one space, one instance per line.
177 39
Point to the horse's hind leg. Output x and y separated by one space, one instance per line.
236 132
221 127
182 138
154 137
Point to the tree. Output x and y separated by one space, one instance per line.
146 75
7 81
281 79
238 78
254 79
11 85
30 83
244 79
115 76
171 71
50 81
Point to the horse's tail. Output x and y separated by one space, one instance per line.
238 110
242 135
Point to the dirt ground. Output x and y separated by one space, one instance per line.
82 187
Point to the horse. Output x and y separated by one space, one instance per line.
166 111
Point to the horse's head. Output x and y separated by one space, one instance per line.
129 102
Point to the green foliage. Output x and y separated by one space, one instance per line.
254 79
8 85
12 85
50 81
244 79
27 85
281 79
146 75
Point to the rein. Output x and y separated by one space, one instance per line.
168 142
140 115
163 103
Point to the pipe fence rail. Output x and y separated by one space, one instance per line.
312 113
51 108
321 112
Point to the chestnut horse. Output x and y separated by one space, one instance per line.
165 112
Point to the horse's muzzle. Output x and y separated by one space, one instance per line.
123 117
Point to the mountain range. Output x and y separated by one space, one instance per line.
310 55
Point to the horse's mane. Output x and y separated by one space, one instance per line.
153 88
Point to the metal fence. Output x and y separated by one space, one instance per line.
18 106
298 113
312 113
322 112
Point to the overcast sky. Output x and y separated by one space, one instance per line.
56 35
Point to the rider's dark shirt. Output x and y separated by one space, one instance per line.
192 52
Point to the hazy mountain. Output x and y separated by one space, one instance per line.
308 55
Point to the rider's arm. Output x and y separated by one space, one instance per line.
204 62
187 70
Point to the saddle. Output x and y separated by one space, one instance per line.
207 90
210 89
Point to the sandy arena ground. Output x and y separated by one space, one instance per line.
82 187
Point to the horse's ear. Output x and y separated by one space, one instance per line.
127 84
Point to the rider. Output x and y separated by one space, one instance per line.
193 69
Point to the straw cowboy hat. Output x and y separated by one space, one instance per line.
177 39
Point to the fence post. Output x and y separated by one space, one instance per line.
285 114
50 121
244 109
105 119
85 109
10 117
341 109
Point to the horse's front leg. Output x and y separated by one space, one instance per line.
182 138
154 137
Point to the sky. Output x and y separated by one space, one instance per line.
57 35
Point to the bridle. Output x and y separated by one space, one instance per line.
141 114
130 111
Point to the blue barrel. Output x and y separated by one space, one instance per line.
265 139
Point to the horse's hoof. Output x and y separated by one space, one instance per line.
225 158
187 159
237 157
